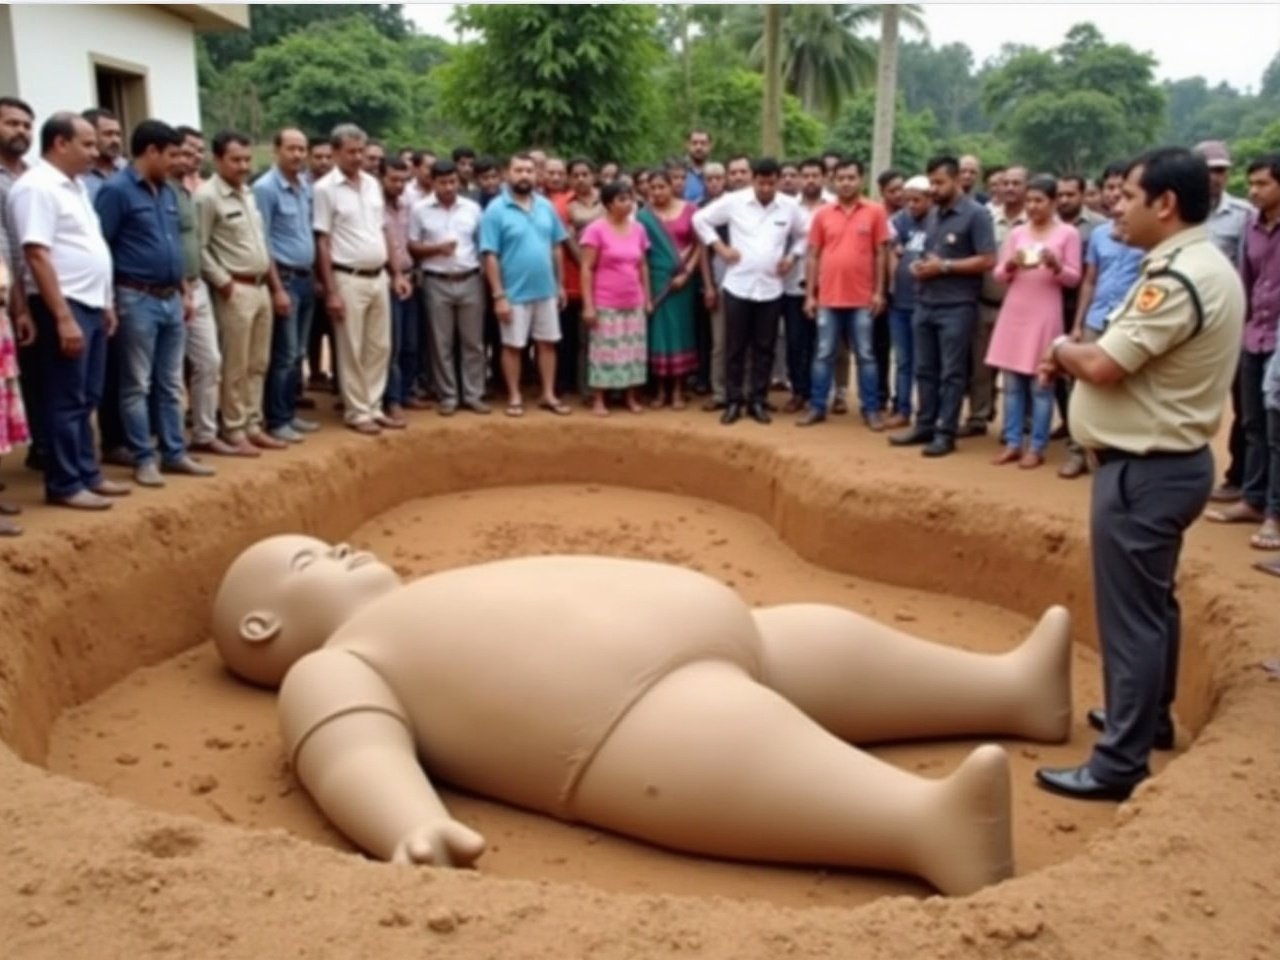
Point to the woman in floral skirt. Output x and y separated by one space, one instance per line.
615 298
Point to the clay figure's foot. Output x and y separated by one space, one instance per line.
968 844
442 843
1042 665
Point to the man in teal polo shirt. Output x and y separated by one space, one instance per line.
521 237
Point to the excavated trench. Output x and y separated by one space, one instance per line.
106 677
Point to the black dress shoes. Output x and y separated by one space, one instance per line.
1098 720
732 413
759 413
916 436
940 446
1079 784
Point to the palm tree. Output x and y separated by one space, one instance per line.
824 59
886 91
771 122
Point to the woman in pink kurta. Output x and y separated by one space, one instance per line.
1038 260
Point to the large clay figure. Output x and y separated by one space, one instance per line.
639 697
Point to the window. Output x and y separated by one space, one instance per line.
121 88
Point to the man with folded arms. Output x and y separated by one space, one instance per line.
138 210
235 262
71 265
352 250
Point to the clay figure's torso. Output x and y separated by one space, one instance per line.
513 673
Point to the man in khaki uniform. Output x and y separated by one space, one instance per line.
351 253
235 262
1148 400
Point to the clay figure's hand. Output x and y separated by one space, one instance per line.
439 843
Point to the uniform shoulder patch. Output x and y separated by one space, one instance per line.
1150 297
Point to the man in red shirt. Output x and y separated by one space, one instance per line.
844 286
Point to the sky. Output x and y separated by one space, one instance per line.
1219 41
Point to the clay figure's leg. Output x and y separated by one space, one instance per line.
866 682
709 761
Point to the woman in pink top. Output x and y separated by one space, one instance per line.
615 298
1038 259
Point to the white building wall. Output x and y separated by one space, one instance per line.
53 44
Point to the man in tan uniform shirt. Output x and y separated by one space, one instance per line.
1148 400
235 262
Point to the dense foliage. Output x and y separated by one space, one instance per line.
627 81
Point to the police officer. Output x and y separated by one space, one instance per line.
1148 400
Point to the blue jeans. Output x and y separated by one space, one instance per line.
72 391
801 340
289 335
1019 388
943 335
856 322
404 319
903 340
152 341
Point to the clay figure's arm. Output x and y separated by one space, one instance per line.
352 747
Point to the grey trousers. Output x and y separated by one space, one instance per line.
455 312
1141 508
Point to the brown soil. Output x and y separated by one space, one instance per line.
104 676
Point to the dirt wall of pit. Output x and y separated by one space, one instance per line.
84 604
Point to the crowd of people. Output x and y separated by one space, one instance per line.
155 318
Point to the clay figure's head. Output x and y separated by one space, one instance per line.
285 596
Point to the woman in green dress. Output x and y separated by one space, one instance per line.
674 255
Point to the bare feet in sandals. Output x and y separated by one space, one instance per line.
1239 512
552 405
1268 535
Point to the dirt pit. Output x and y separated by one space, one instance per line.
186 737
102 657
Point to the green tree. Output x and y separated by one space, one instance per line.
914 134
330 73
578 77
1247 149
1082 103
942 79
271 22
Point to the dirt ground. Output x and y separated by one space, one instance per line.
147 809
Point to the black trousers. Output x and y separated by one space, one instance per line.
569 348
881 344
1234 476
1141 507
110 419
943 344
750 329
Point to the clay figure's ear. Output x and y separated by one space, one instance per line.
259 626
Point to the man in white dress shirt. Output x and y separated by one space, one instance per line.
766 236
351 251
73 309
443 232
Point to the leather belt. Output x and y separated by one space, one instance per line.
1104 455
988 302
150 289
249 279
358 272
284 270
452 277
